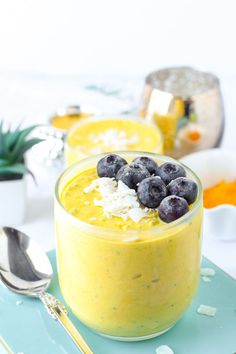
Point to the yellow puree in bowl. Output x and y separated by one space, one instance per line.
97 136
118 285
66 121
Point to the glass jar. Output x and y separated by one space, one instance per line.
131 284
101 134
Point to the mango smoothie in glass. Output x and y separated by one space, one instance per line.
96 135
129 246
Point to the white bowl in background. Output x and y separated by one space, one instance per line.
213 166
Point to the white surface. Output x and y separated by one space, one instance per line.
117 37
219 241
12 202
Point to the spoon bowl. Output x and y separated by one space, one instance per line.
25 269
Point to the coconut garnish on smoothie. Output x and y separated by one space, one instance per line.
128 231
113 139
102 134
141 189
117 199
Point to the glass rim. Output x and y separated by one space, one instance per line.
155 230
134 118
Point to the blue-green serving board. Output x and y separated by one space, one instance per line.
29 329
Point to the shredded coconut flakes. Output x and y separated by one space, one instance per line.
208 272
19 302
164 349
117 199
207 310
113 138
206 279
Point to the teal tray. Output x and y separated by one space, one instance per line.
28 328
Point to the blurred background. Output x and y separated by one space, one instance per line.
50 51
76 37
55 53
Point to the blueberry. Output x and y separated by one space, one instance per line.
151 191
172 208
109 165
150 164
183 187
132 175
169 171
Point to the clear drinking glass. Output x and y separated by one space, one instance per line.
133 284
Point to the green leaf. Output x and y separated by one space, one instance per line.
14 144
25 132
4 162
12 169
26 146
20 136
11 139
2 148
18 151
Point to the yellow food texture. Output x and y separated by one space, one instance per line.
81 205
84 137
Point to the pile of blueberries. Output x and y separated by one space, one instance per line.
164 187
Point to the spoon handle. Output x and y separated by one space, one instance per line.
58 311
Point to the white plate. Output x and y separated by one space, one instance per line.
213 166
219 228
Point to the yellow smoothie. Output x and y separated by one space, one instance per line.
125 279
97 135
